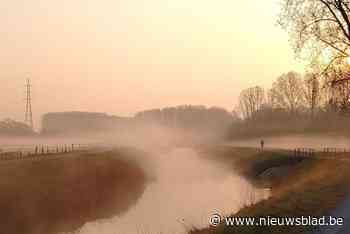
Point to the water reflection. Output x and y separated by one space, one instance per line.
186 191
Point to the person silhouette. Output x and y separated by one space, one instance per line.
262 143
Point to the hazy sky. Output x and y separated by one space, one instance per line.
122 56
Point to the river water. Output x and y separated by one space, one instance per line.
185 192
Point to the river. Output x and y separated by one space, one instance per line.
185 191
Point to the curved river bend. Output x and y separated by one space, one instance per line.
185 192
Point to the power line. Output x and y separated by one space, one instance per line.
28 119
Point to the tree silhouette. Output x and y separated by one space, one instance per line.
318 28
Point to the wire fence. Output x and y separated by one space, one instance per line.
35 151
324 152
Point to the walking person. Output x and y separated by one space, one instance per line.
262 143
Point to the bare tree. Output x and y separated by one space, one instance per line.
318 28
338 80
287 92
312 92
251 101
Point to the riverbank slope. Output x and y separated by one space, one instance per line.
61 194
300 186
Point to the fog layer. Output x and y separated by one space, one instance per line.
185 192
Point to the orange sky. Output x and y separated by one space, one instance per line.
124 56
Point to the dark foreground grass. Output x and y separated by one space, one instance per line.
59 195
305 187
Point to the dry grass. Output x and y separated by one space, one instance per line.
311 187
251 163
57 195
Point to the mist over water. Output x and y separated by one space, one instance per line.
184 188
298 141
185 192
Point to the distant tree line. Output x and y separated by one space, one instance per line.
186 117
9 127
297 103
195 117
291 93
76 122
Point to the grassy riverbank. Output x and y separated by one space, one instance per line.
300 187
61 194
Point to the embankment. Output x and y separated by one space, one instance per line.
61 194
300 187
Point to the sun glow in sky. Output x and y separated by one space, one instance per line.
124 56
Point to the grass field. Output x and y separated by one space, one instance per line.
61 194
311 186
